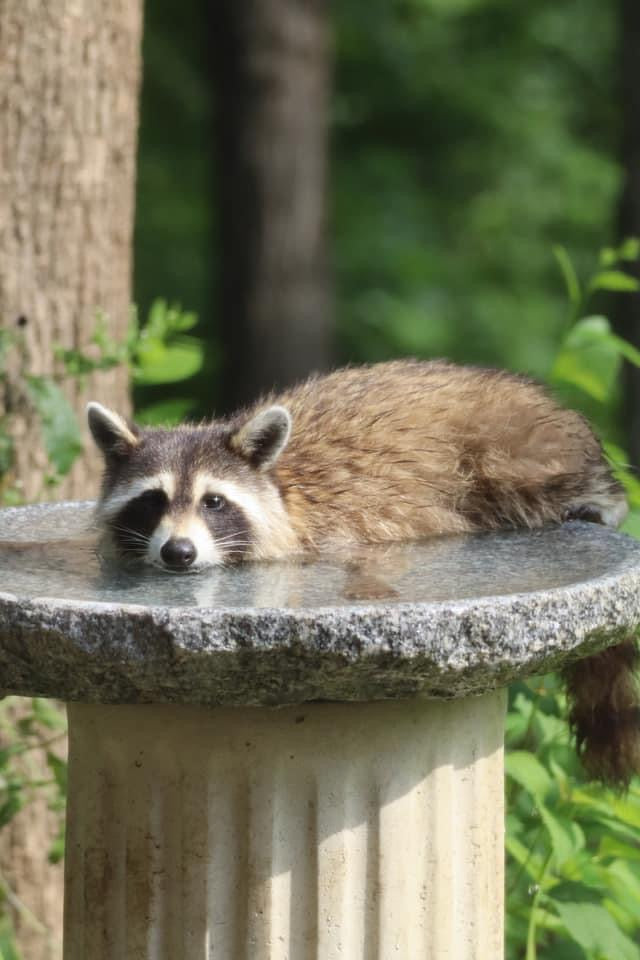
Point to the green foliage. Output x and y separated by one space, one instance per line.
159 352
58 422
25 742
467 138
573 866
7 947
469 135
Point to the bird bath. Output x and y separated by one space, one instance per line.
295 760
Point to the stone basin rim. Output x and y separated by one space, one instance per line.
627 576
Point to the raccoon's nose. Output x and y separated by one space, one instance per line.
178 553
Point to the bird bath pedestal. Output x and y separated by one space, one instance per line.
295 760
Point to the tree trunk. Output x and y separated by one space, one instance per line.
69 74
272 60
627 307
69 77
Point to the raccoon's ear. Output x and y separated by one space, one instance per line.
111 432
262 439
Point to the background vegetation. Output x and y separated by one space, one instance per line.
468 138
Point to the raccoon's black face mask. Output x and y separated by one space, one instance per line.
190 497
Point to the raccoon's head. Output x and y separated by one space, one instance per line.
192 496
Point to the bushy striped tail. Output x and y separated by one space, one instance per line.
605 713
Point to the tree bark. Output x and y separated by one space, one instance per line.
69 78
627 307
273 69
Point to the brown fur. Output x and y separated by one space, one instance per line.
405 450
605 712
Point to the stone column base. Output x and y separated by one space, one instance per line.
364 831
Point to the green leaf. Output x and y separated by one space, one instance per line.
586 331
11 804
627 809
566 835
570 277
59 770
526 769
627 350
613 847
629 249
46 713
608 257
571 891
623 884
7 946
516 726
563 950
180 321
631 524
615 281
532 863
6 450
596 330
157 363
156 325
56 850
570 368
551 729
628 922
594 929
60 430
164 321
589 358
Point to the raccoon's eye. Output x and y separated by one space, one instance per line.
213 501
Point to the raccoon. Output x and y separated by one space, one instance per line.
388 452
393 451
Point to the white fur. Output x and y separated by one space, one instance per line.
613 510
123 493
192 528
273 535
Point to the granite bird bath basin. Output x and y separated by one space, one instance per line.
295 760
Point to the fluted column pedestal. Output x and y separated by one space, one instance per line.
360 831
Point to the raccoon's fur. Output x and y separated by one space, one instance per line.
393 451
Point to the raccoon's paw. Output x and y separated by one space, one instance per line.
585 512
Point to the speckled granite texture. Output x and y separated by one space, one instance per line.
445 618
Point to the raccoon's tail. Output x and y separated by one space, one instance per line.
605 713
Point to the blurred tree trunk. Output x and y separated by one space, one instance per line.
69 76
627 306
273 75
68 118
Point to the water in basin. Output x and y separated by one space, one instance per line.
51 551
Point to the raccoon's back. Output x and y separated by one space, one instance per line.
407 449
